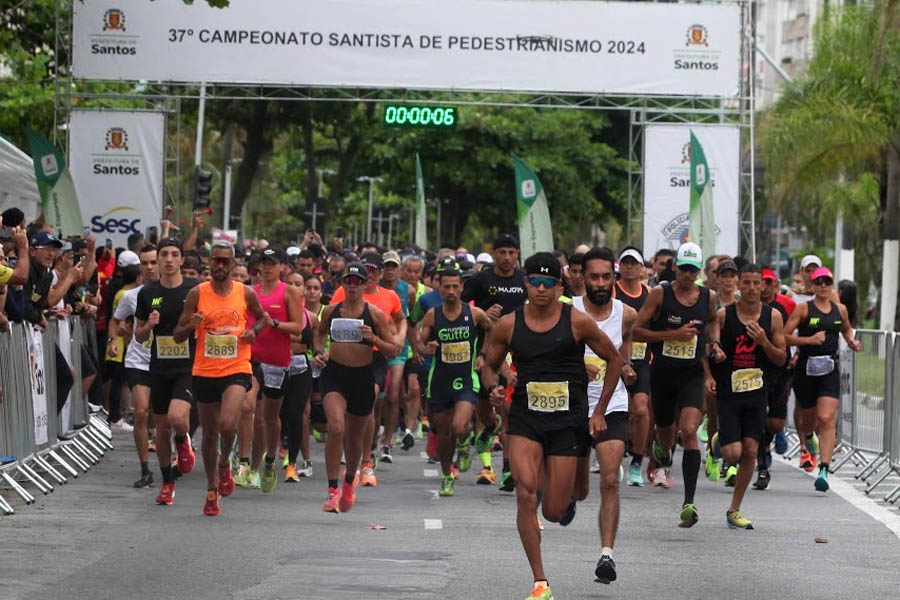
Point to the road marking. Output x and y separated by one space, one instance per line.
433 524
431 473
423 455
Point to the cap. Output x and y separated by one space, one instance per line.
293 251
822 272
543 263
726 265
127 257
273 254
448 264
689 254
485 258
356 269
631 253
372 259
13 217
45 238
170 241
810 259
391 257
769 275
506 240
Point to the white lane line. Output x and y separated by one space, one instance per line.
423 455
433 524
431 473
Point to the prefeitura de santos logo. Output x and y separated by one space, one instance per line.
696 36
114 19
116 139
696 54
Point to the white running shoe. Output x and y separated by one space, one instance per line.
121 425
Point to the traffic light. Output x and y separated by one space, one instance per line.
202 188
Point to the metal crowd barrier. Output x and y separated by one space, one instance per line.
40 445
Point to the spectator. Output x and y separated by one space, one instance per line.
44 249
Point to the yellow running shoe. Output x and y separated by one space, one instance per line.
737 521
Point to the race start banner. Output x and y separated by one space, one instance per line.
116 159
535 45
667 184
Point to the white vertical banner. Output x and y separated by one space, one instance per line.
38 384
117 161
667 184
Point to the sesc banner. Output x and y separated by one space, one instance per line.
667 184
116 159
534 45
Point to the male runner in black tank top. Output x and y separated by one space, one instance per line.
817 378
548 421
752 349
678 319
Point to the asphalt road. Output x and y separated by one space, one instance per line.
97 538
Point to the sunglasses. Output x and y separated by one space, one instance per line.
539 280
823 281
354 280
688 268
221 260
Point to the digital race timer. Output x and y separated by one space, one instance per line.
402 115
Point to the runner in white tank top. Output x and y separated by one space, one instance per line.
612 327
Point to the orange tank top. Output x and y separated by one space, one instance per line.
220 351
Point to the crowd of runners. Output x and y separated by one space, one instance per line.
567 364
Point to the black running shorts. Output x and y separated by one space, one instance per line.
135 377
674 389
165 388
355 384
641 385
808 389
569 441
742 416
616 428
209 390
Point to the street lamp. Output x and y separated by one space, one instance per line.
372 181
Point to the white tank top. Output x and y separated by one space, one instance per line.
612 327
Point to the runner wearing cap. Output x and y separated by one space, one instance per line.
678 319
355 328
633 293
548 416
817 382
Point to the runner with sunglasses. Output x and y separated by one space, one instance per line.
814 328
678 319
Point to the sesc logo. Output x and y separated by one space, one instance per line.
114 224
114 20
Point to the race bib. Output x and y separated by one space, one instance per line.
220 346
680 350
148 344
299 364
273 376
548 396
596 361
746 380
638 350
455 353
167 348
347 330
817 366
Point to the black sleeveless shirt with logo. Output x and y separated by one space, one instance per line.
746 367
672 315
831 323
640 352
453 365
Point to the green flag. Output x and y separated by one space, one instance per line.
59 202
702 218
421 237
535 232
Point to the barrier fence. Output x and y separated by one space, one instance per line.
43 441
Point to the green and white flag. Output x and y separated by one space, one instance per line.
421 237
535 231
702 217
59 202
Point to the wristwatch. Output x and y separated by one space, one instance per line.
276 323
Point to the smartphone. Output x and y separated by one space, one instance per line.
109 244
152 234
85 231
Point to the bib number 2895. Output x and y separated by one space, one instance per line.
548 396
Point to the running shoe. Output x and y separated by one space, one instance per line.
463 457
487 476
689 516
425 425
446 490
431 447
348 497
736 520
621 474
807 461
285 462
319 436
226 481
662 455
186 458
176 472
151 446
166 494
418 431
731 475
498 445
569 515
658 477
306 470
634 476
386 455
254 480
606 570
243 475
483 441
540 591
670 479
507 483
269 479
702 431
454 470
121 425
812 444
332 501
408 441
762 479
712 466
822 480
211 507
767 457
290 474
144 481
781 443
367 475
595 465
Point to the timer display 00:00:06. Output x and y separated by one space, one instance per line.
419 116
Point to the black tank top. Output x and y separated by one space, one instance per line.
306 336
816 321
366 319
550 357
743 354
452 368
672 315
639 350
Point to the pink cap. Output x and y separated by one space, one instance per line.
822 272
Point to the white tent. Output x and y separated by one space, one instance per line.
18 187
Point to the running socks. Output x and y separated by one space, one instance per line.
690 469
145 468
637 459
823 466
270 460
348 478
606 551
506 464
179 439
332 483
767 438
245 460
167 474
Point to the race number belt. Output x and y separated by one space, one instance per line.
746 380
596 361
299 364
220 346
455 353
347 330
638 350
167 348
548 396
817 366
680 350
273 376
